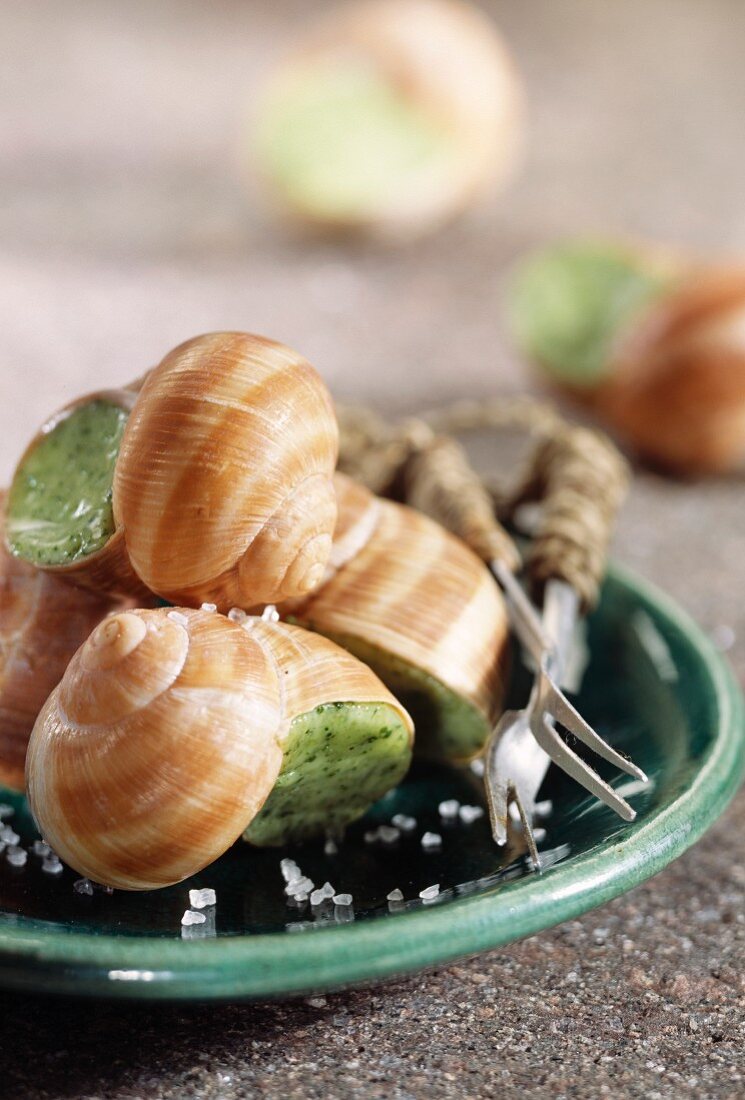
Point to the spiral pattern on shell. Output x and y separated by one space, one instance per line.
223 484
159 745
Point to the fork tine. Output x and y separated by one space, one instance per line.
555 702
498 785
561 754
527 821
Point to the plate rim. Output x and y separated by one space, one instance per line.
281 964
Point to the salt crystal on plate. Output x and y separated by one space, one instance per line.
430 841
429 892
209 607
469 814
202 899
83 886
177 617
404 822
448 810
477 767
51 865
290 870
301 885
8 835
317 897
330 848
190 917
5 811
40 848
236 615
327 890
371 836
389 834
16 856
395 895
342 899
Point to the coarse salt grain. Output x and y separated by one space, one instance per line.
16 857
190 917
290 870
469 814
40 848
328 890
209 607
8 835
236 615
330 848
177 617
343 899
301 885
448 810
477 767
371 836
389 834
430 892
430 841
395 895
51 865
404 822
6 811
270 614
317 897
83 886
202 899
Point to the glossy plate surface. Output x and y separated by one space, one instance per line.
655 688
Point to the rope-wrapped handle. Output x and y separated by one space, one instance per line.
581 480
441 482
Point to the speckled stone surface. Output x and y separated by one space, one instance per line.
125 227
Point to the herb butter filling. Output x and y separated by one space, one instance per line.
570 301
340 141
59 505
338 760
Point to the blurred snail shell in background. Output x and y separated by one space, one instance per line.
167 736
652 343
212 484
43 621
390 117
422 610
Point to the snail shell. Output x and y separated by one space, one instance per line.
441 60
42 624
677 388
165 738
222 488
399 586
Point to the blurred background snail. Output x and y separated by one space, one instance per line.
423 611
390 117
43 621
212 483
651 342
174 732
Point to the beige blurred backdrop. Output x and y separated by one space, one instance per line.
126 224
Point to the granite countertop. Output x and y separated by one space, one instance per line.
126 227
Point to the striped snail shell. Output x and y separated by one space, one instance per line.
418 606
166 737
219 481
42 623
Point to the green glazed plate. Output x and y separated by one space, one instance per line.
655 688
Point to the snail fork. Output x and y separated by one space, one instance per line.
524 742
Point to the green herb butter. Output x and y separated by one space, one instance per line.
59 506
338 760
570 301
339 141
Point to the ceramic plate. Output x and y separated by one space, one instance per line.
655 688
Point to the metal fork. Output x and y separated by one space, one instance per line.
523 743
